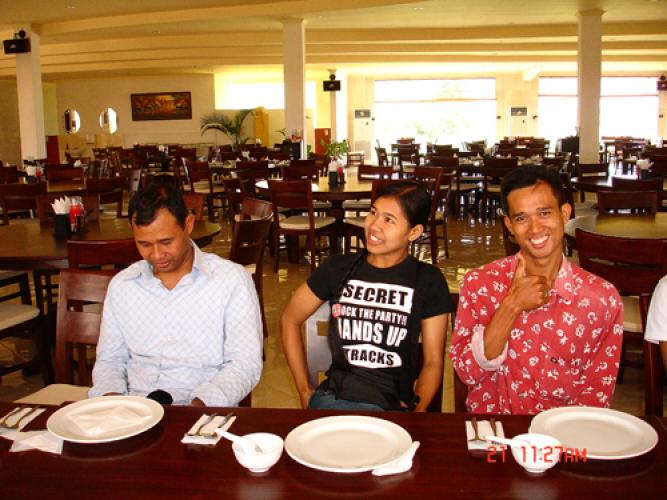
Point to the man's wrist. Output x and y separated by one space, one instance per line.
511 305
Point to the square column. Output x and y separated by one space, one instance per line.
31 99
589 72
294 76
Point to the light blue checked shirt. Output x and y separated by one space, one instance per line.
203 339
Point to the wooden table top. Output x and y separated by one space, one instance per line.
27 244
156 464
621 225
595 183
353 189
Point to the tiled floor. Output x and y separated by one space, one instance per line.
472 243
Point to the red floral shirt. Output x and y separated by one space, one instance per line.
565 353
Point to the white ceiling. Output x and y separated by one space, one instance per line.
84 37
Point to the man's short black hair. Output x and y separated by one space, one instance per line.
530 175
146 202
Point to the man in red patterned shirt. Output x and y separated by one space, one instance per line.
534 331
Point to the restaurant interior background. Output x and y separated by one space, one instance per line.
441 71
476 60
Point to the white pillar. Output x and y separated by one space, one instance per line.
589 72
662 112
294 76
332 109
31 100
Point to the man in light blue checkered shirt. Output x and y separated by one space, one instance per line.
181 320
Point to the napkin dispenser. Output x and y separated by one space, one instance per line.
61 225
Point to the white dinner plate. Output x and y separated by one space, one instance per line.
605 434
62 425
348 443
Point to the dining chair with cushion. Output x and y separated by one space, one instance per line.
110 191
201 181
194 202
589 170
80 300
297 195
318 353
22 322
20 198
439 185
494 173
635 202
248 243
367 173
296 171
57 173
634 267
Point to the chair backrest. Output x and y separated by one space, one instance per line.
296 172
592 169
77 328
633 266
371 172
91 204
500 163
377 185
444 161
119 253
194 202
248 242
9 174
252 208
235 192
109 190
133 179
199 171
296 194
645 184
641 202
55 173
19 196
303 163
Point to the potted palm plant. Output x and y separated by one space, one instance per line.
231 127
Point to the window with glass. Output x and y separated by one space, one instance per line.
435 111
628 107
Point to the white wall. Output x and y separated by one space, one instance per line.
90 96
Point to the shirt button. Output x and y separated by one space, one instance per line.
554 359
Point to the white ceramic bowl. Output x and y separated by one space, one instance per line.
540 453
272 448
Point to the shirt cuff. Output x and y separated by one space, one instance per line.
477 347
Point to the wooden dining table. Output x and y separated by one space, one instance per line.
27 244
621 225
597 183
155 464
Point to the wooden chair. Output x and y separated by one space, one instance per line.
367 173
297 195
110 191
494 173
439 184
634 267
636 202
23 321
236 193
591 169
194 202
201 181
18 198
318 353
119 253
248 243
57 173
300 171
9 175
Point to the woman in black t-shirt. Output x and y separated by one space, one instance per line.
381 300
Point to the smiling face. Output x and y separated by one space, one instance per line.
388 232
166 245
538 223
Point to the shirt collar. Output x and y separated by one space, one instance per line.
144 270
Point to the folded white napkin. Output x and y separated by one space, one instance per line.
30 170
107 420
61 205
18 416
209 437
37 440
484 428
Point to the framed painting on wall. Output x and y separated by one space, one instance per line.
162 106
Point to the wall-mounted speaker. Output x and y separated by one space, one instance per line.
17 45
331 85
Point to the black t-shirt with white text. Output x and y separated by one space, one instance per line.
380 311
